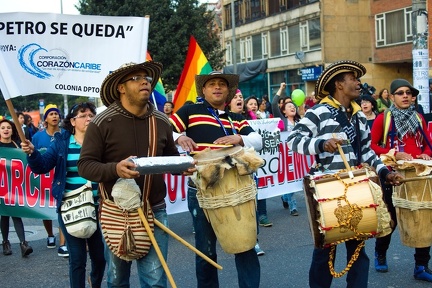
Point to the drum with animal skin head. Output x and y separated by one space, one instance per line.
227 192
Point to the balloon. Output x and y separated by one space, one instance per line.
298 97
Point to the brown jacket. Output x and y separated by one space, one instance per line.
114 135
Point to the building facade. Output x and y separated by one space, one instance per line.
293 40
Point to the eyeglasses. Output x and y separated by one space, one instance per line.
91 116
400 93
138 78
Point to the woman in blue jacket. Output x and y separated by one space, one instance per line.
63 155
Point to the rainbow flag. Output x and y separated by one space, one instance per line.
196 64
158 94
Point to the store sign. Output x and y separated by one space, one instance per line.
311 73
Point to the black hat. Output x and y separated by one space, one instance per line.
397 83
344 66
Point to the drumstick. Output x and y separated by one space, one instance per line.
156 246
184 242
415 179
342 154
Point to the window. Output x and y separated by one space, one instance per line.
248 48
242 50
294 38
257 52
304 37
228 53
264 45
314 34
393 27
284 40
275 46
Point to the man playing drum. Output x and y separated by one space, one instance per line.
210 124
401 128
336 111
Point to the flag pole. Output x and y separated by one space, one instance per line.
15 119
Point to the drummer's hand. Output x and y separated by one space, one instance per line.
125 169
186 143
330 145
190 170
403 156
230 140
27 147
424 157
393 178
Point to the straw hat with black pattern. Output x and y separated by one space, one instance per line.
109 93
231 79
344 66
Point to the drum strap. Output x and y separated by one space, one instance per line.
213 113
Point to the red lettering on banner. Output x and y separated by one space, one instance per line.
32 192
282 163
173 184
4 180
430 128
45 189
264 181
17 183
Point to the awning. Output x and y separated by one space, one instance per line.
248 70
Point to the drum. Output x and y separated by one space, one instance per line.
227 192
413 203
342 209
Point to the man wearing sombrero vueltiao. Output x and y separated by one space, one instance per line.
336 90
211 124
130 126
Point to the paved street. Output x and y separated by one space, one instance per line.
288 247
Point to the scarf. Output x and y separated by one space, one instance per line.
406 121
387 102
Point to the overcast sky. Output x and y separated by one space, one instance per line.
38 6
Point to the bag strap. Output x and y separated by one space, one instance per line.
152 149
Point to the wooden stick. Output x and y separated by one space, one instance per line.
415 179
342 154
15 119
156 246
184 242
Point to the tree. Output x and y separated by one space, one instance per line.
171 25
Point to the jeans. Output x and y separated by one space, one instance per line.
292 202
319 272
78 257
150 270
262 208
247 263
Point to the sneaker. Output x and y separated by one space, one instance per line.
25 249
258 250
294 212
63 251
51 242
422 273
284 203
263 221
7 249
381 263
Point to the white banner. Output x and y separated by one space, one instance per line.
66 54
282 172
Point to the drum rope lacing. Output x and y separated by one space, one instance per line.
348 217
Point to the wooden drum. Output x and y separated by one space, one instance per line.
413 203
342 209
227 192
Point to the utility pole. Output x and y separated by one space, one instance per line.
233 43
65 97
420 52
